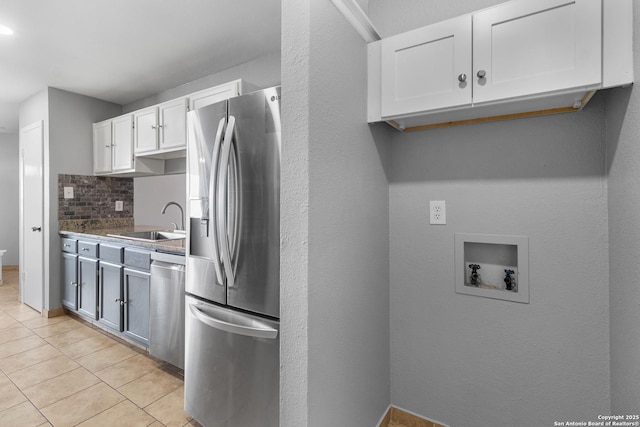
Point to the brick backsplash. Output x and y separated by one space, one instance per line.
94 197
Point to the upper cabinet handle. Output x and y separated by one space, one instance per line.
462 78
481 74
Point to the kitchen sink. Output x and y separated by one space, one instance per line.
151 236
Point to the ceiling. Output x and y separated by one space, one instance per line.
125 50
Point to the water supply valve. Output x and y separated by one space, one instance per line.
475 279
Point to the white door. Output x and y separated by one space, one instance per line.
173 124
32 215
102 147
528 47
122 143
427 69
146 130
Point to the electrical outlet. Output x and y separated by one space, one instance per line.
119 206
437 212
68 192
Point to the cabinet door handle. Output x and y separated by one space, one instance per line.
481 74
462 78
74 284
85 249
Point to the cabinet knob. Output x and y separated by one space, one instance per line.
481 74
462 78
74 284
153 126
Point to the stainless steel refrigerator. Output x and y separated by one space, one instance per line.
233 262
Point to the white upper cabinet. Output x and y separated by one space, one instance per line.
161 129
521 57
122 148
113 150
146 130
173 124
526 47
138 143
102 147
427 68
215 94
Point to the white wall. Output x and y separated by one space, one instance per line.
623 156
334 297
150 196
471 361
9 197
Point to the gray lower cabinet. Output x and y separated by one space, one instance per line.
70 274
109 283
110 300
136 307
88 286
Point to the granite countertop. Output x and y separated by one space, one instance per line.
174 246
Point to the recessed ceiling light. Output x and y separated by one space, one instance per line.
5 31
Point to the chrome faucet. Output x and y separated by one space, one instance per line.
181 227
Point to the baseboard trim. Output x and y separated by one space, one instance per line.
404 418
386 418
52 313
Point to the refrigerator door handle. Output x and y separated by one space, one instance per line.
215 157
223 203
241 326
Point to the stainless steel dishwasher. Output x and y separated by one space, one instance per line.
166 312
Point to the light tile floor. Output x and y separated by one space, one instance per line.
63 372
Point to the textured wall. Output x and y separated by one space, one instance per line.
470 361
623 155
335 227
294 216
9 197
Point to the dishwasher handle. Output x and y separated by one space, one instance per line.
239 324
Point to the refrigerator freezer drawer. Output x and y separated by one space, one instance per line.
231 367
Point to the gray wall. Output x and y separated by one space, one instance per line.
623 155
335 330
70 152
150 195
260 73
471 361
9 197
68 142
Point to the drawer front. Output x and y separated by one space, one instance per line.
69 245
88 249
111 253
137 258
